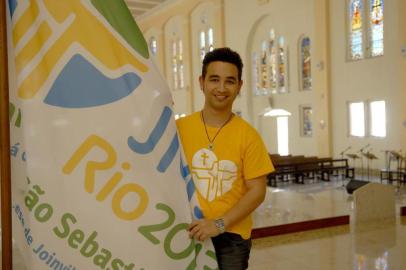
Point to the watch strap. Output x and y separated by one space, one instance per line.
219 222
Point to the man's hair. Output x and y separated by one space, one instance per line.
223 55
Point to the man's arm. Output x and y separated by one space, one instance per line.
255 195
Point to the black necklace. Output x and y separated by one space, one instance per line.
211 141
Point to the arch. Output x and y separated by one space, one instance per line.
174 52
249 79
203 17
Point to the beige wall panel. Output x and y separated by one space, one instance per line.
369 79
291 19
241 24
206 15
191 12
176 29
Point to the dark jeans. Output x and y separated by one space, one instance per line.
232 251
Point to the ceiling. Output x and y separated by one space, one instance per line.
139 7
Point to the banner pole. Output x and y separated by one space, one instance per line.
6 229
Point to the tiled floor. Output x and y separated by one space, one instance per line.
377 245
301 202
298 202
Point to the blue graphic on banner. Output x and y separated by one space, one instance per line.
190 188
12 4
198 213
81 85
169 155
154 137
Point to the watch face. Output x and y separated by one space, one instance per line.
220 224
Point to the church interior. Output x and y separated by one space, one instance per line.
324 84
323 81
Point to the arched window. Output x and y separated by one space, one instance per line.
255 72
177 64
269 66
175 59
206 41
264 67
281 65
305 64
273 61
181 68
174 64
202 43
376 27
211 39
365 28
356 33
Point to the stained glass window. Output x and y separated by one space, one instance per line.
376 27
356 34
263 67
206 41
211 39
178 76
273 81
306 129
202 44
174 65
305 62
181 77
366 28
255 72
269 66
281 64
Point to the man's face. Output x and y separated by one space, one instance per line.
220 85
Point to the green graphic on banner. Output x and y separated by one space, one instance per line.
118 15
98 174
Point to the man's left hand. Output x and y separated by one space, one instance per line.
203 229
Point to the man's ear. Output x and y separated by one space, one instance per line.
240 86
201 82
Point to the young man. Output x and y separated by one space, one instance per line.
228 162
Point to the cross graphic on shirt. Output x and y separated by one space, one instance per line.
213 177
204 156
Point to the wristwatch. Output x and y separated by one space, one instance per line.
220 225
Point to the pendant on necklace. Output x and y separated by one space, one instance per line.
211 146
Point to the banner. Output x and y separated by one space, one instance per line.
98 177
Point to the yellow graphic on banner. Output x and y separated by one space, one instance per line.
74 17
23 24
92 167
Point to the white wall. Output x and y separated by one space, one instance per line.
241 24
368 79
291 19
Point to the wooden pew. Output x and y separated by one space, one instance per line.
296 167
330 166
300 168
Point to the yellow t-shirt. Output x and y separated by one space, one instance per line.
219 175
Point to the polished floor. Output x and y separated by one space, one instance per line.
291 203
374 246
377 245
